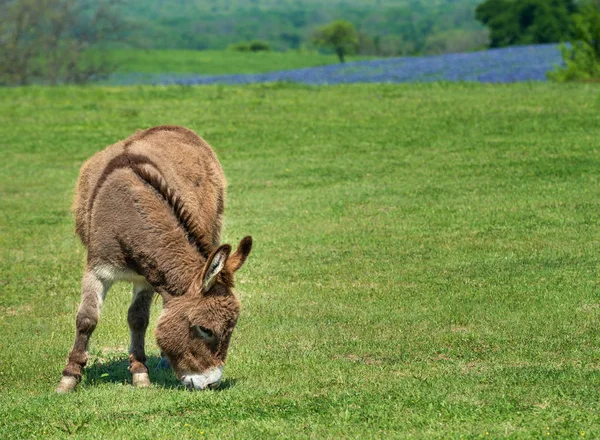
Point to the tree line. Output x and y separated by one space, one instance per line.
513 22
526 21
57 41
385 27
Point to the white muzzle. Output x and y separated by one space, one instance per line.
211 378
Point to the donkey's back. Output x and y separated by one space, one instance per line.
174 161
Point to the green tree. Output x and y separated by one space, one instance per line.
582 57
56 40
526 21
498 16
341 36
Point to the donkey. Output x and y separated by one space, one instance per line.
149 211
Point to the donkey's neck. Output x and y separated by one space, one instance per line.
168 269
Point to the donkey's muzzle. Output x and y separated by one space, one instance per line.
210 378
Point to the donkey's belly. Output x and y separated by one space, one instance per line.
113 273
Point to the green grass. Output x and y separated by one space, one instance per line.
213 62
426 263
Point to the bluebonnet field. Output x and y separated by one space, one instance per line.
513 64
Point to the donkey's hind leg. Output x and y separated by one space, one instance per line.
93 293
138 317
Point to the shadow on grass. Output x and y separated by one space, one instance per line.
117 371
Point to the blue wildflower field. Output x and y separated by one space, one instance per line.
507 65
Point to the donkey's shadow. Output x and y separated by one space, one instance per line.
116 370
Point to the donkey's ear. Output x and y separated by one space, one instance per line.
237 259
214 266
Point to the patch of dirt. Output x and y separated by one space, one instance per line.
360 359
15 311
108 353
542 405
473 367
589 307
459 329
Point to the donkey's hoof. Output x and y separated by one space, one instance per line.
66 384
141 380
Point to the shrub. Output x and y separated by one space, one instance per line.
252 46
240 47
258 46
582 57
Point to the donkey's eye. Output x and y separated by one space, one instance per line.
204 332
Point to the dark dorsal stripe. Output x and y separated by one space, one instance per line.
185 218
154 180
123 160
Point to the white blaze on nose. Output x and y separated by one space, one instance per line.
210 378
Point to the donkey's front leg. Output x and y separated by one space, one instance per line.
93 293
138 317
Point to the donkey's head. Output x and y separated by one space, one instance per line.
194 329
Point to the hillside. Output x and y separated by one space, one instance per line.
511 64
400 27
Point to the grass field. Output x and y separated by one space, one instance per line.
212 62
426 263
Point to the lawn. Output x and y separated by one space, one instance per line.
425 265
136 65
211 62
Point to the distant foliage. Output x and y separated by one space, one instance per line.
252 46
242 46
341 36
49 40
259 46
513 22
582 57
391 27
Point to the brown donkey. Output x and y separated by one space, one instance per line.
149 210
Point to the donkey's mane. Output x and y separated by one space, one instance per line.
156 181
